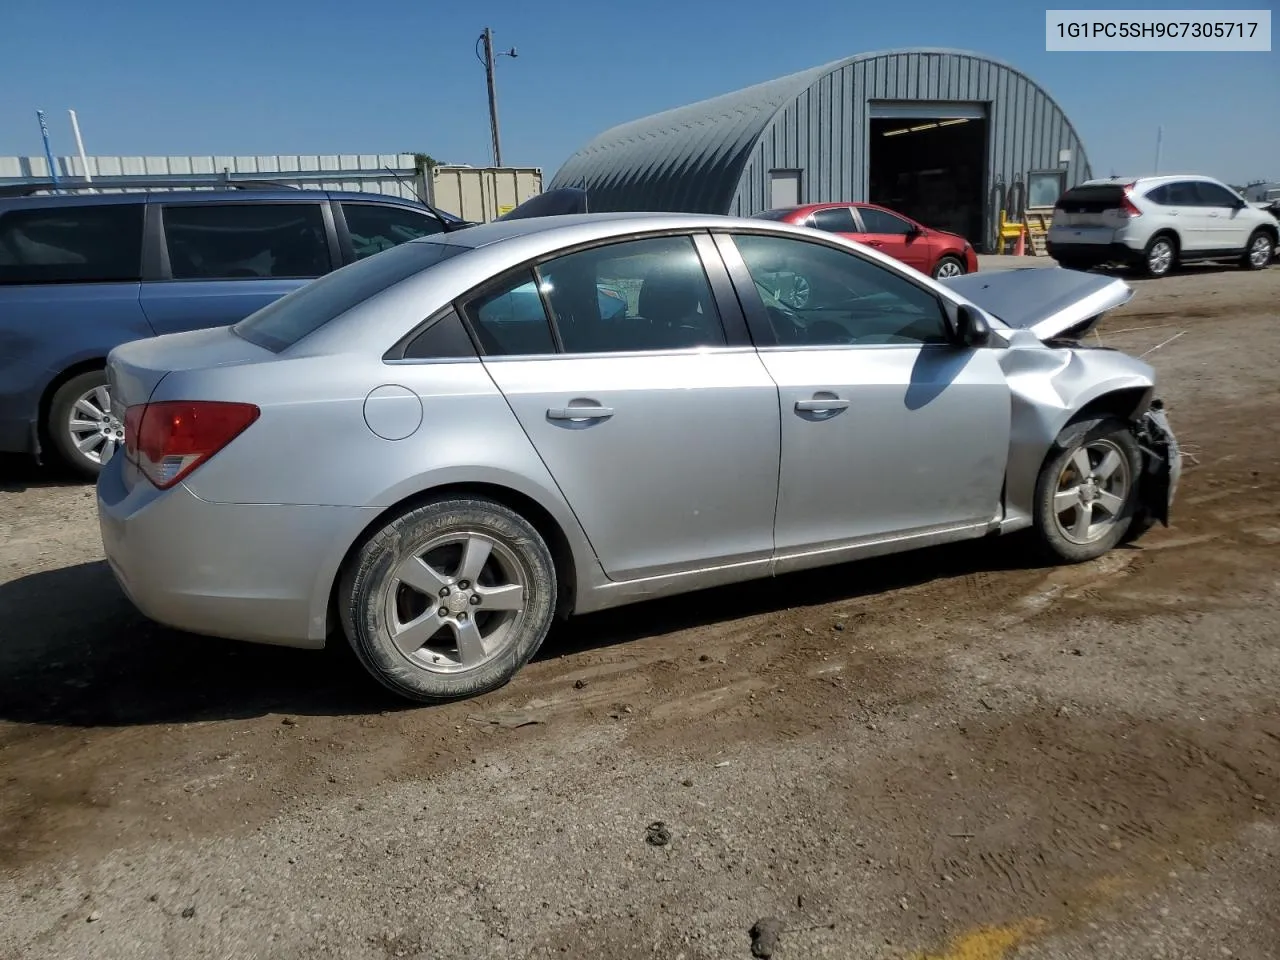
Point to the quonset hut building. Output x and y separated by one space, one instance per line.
941 135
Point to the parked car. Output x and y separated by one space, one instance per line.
80 274
1153 224
394 454
933 252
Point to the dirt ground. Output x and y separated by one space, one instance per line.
947 755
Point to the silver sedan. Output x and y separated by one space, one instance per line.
440 449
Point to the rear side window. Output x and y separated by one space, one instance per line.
834 220
510 320
284 322
877 221
98 243
246 241
1091 199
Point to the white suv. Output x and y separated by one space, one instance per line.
1155 223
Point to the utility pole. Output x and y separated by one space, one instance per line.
1159 144
489 59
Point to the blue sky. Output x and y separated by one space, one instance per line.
321 76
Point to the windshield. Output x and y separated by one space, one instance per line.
284 322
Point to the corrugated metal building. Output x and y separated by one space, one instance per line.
938 134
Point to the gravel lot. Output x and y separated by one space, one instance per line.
947 755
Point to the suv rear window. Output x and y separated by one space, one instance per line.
284 322
1091 199
93 243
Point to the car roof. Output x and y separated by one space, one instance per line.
204 196
608 223
1161 178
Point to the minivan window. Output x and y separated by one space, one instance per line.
254 241
284 322
375 227
93 243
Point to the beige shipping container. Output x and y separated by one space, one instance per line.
481 194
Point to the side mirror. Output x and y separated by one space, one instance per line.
971 328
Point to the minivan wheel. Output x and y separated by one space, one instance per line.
1259 251
1087 490
449 600
1160 256
81 427
948 267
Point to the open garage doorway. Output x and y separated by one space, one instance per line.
929 161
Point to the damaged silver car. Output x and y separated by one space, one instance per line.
435 451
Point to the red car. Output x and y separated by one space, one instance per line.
933 252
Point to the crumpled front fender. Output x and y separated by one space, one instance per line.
1048 389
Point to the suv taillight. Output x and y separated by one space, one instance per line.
1127 209
170 439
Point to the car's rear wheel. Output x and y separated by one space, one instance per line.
948 267
449 600
1261 248
1087 490
1160 256
81 427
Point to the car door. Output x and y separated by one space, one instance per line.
660 424
217 262
1181 210
888 430
1226 229
895 236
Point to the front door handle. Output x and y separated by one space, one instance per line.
580 413
821 406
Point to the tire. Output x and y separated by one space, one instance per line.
1112 501
477 645
948 266
83 400
1160 256
1259 251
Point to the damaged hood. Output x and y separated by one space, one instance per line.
1048 301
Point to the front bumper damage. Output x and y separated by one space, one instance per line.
1161 464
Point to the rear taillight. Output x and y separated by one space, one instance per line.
170 439
1127 209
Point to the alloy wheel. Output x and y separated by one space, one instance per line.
1260 252
94 430
1160 258
949 268
456 603
1092 491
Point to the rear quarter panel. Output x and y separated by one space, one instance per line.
313 444
47 328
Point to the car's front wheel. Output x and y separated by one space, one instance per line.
449 600
81 427
1259 251
1087 490
948 267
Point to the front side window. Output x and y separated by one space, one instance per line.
375 227
834 220
234 241
1213 195
94 243
650 294
879 221
847 300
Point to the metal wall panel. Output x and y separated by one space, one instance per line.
715 156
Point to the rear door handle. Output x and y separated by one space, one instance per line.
580 413
821 406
